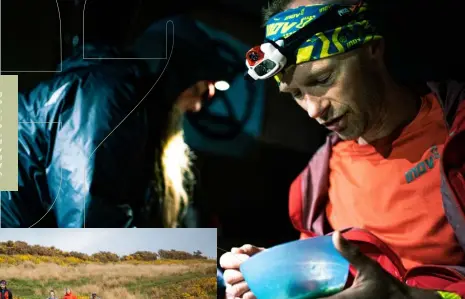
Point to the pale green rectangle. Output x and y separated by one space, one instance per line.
8 133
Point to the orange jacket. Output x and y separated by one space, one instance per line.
69 296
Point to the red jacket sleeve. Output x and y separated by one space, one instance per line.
457 288
451 94
295 202
295 206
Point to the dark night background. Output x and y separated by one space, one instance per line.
428 38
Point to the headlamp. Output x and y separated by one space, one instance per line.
266 60
270 58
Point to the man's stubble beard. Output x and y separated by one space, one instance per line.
177 175
371 107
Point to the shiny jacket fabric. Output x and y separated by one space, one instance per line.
87 138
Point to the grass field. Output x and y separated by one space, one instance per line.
29 278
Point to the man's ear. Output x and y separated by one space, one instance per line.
376 49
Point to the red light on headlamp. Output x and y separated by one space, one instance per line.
254 55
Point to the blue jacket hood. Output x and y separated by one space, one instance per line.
183 52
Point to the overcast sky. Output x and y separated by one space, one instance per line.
118 240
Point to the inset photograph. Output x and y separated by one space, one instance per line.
108 263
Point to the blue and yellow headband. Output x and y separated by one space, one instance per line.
331 42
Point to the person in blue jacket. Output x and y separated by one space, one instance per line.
101 144
52 295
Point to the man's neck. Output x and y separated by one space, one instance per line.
400 108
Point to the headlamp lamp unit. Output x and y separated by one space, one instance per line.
270 58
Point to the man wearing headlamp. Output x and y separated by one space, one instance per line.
391 173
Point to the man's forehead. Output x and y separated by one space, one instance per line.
298 74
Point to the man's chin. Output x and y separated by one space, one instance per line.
346 136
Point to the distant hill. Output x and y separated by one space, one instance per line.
13 248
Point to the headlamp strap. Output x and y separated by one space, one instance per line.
337 15
275 44
284 50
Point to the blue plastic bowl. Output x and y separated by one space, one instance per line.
310 268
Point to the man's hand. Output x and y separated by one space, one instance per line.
372 281
236 287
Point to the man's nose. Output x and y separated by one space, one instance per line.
316 107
